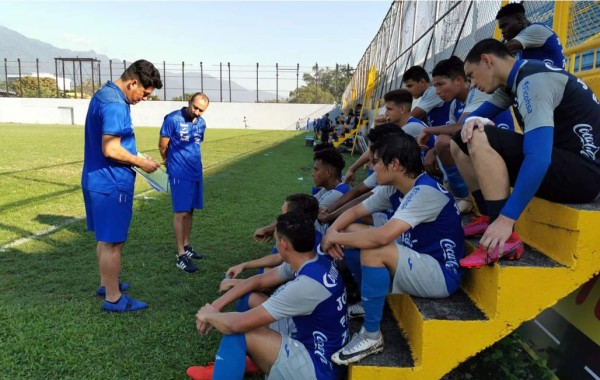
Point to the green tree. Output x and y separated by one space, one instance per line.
331 83
28 87
187 96
311 95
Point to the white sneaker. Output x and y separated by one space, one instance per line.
465 205
356 311
359 347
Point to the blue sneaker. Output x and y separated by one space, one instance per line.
101 292
124 305
191 254
185 264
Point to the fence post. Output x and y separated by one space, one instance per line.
335 88
316 83
182 81
257 101
93 84
110 69
37 70
229 74
80 78
297 77
64 79
201 78
221 80
164 81
124 65
276 82
6 76
20 81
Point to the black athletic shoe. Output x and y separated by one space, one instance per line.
191 254
185 264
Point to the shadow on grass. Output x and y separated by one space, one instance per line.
51 324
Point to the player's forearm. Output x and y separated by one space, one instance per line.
334 215
450 129
266 261
226 323
363 159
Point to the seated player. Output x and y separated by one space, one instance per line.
555 158
419 247
313 297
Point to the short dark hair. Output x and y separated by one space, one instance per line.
298 229
401 96
145 72
381 131
402 147
304 203
487 46
332 158
452 67
415 73
194 95
511 9
322 146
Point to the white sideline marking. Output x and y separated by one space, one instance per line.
50 230
555 339
588 370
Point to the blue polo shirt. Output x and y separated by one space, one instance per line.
184 157
108 114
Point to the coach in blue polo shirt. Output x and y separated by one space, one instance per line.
180 137
107 179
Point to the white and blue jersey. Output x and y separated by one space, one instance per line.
545 96
184 157
108 114
315 298
436 227
328 197
435 108
475 98
541 43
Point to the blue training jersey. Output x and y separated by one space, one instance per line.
108 114
550 51
184 156
503 120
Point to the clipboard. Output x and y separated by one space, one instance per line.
159 179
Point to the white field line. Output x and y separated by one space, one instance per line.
50 230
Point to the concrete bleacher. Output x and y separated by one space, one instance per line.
427 338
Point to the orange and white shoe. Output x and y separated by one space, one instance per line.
513 250
206 372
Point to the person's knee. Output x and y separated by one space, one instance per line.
479 143
442 144
372 257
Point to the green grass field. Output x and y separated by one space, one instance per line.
51 326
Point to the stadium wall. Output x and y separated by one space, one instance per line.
273 116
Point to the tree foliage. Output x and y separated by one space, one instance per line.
323 85
28 87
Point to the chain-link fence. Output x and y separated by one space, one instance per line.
224 82
425 32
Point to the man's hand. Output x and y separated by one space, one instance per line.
466 133
262 235
148 164
424 138
323 216
431 165
497 234
202 326
235 271
227 284
379 120
332 249
349 176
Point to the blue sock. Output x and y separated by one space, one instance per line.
242 304
375 286
352 259
457 184
230 362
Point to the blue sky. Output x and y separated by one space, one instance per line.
243 32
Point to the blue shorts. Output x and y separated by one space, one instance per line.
186 195
108 215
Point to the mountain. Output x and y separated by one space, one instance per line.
14 45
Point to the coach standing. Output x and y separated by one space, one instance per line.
179 144
107 179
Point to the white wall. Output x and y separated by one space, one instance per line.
219 115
